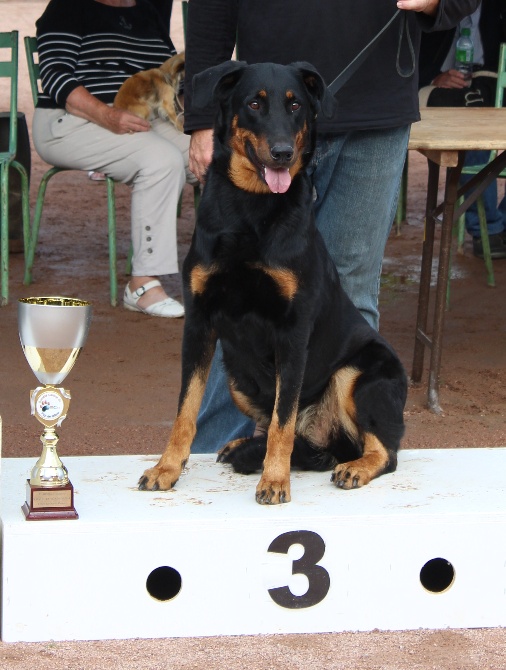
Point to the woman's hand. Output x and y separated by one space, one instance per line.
120 122
87 106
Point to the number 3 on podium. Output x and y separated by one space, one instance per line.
318 577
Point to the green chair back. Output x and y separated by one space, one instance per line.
501 77
184 10
33 67
9 70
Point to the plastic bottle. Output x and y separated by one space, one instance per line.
464 53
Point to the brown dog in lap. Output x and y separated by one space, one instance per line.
155 93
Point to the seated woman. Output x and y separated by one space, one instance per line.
87 48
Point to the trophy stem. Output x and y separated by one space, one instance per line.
49 471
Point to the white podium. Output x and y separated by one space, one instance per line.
424 547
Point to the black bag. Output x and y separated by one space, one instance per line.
481 93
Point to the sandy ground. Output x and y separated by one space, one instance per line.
126 382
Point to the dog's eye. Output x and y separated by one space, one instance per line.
254 104
295 106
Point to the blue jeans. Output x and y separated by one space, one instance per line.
356 177
496 216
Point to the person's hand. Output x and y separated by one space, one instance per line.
121 122
426 6
450 79
201 152
87 106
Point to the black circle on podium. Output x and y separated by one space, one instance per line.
163 583
437 575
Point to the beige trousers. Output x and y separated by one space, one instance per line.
154 163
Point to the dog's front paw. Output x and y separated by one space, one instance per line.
351 475
159 479
272 493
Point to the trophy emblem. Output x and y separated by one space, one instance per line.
52 331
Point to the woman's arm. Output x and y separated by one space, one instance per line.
210 40
201 41
87 106
58 42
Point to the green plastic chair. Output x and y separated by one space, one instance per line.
34 73
9 69
184 10
474 169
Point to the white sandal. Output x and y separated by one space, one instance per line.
168 308
96 176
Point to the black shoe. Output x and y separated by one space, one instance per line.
497 246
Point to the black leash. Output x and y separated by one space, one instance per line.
343 77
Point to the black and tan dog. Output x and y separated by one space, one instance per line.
155 92
300 358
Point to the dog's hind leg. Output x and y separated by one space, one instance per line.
135 95
246 454
141 109
375 461
167 108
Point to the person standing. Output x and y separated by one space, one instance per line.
360 152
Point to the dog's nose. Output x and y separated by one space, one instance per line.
282 153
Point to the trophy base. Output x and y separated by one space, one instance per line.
44 503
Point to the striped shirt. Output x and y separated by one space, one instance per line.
86 43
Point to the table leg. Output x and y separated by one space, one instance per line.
421 339
450 198
471 191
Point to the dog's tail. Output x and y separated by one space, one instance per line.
249 456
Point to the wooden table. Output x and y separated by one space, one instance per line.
443 136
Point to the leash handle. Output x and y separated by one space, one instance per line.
345 74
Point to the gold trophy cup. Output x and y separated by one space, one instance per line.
52 331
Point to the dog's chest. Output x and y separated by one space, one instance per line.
242 288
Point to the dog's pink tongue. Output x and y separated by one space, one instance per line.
278 179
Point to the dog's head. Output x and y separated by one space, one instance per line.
265 123
173 69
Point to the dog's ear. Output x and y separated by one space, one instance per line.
173 66
215 83
317 88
